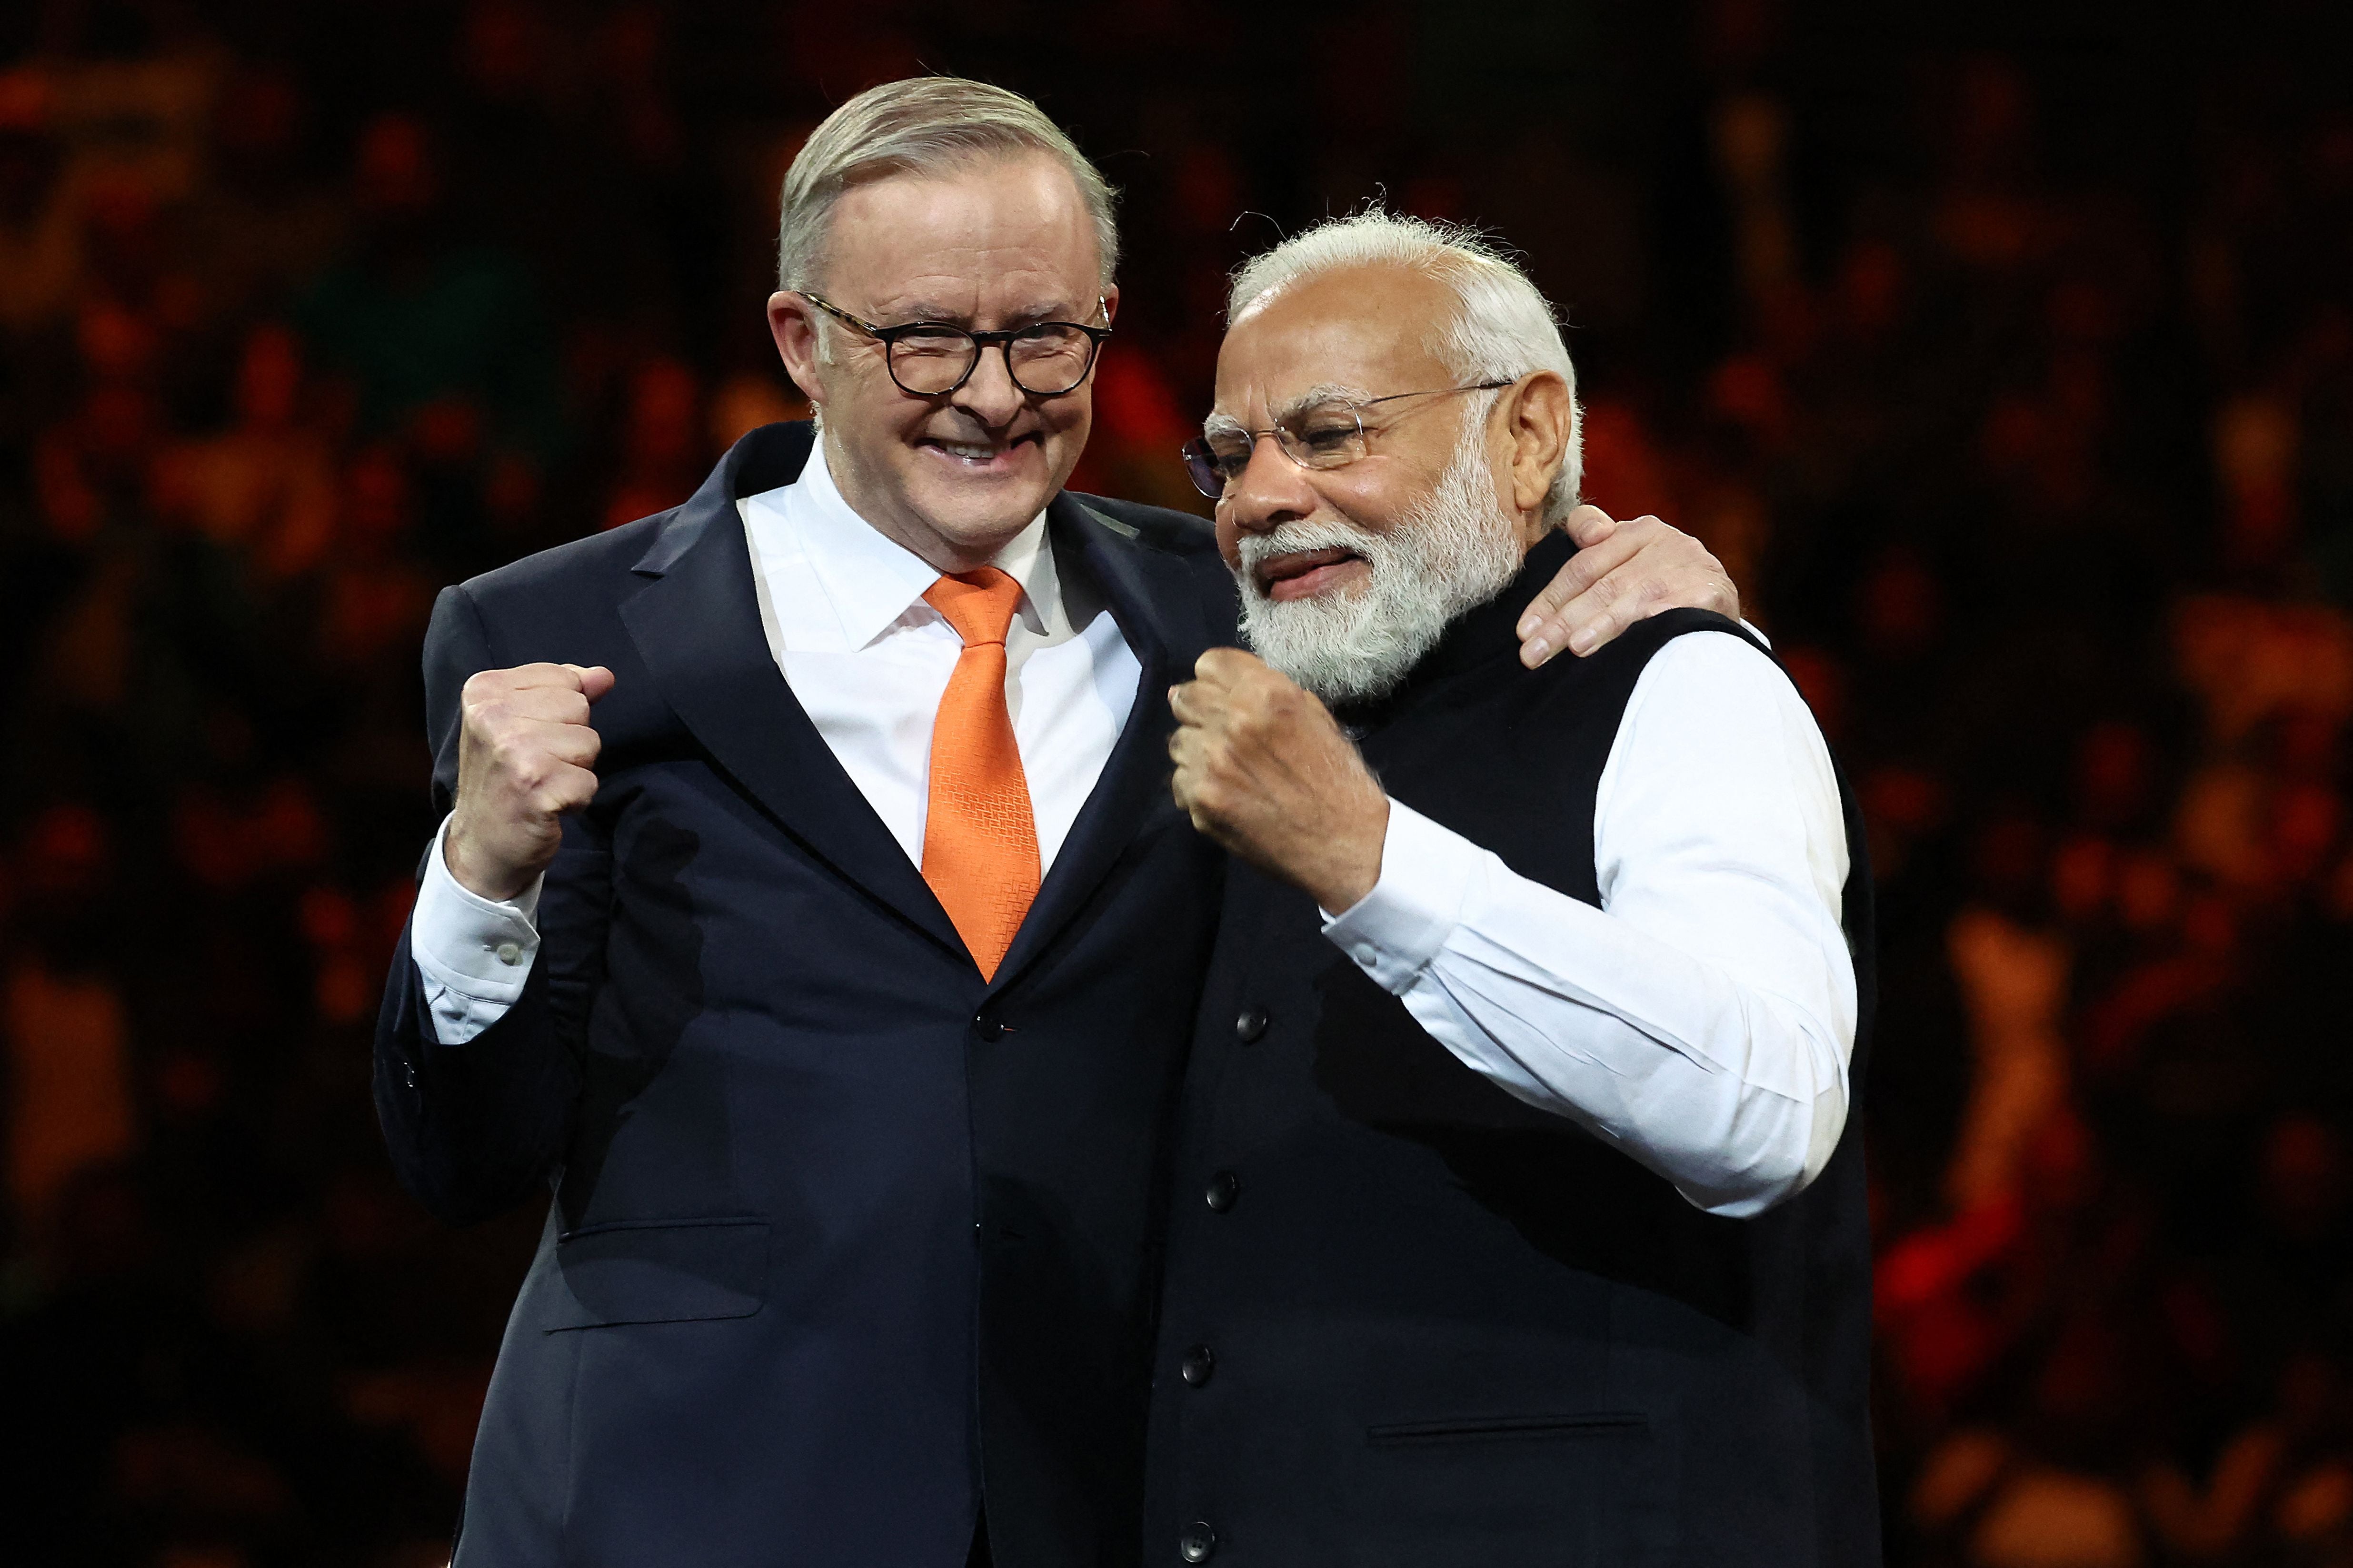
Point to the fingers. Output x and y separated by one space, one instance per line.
526 753
1220 676
576 744
1614 603
592 681
1545 626
1191 702
1599 549
595 679
1589 525
1639 568
1223 667
567 788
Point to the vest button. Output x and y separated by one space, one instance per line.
1197 1366
1250 1024
1197 1543
1224 1188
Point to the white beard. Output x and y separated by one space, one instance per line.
1457 550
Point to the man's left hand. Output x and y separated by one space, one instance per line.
1262 768
1622 573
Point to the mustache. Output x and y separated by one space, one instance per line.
1298 538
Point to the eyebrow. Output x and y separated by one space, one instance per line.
1323 391
928 310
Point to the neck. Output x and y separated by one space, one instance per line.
906 528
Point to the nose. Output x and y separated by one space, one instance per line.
989 395
1269 491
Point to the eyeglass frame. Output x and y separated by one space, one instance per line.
1356 411
1002 338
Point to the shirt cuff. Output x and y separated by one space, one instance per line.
478 947
1397 928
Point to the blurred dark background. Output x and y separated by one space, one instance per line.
2003 351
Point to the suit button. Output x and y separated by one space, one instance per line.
1197 1366
989 1028
1250 1024
1197 1543
1224 1188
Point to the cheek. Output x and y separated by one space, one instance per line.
1229 537
1069 418
1365 496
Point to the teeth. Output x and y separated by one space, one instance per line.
970 454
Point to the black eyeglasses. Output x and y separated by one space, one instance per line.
1329 435
932 358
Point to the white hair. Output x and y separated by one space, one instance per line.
926 125
1457 549
1503 329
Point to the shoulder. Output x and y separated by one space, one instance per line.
592 568
1609 676
1156 527
1714 660
1720 701
1646 640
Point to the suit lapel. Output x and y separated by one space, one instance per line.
697 625
1158 607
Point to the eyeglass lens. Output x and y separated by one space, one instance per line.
1047 359
1328 436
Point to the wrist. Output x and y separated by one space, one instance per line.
481 876
1352 868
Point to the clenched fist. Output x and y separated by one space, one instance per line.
526 756
1262 768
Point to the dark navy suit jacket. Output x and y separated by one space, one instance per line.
844 1237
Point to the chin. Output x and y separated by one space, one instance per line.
983 514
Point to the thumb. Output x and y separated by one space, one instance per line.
594 680
1589 525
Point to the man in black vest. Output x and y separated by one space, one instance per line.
1518 1210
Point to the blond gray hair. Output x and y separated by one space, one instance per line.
925 125
1503 328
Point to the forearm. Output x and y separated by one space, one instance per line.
1732 1091
472 1129
1730 1144
477 1046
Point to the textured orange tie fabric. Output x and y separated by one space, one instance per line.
980 841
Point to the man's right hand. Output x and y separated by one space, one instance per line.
526 756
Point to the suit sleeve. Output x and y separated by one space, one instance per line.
474 1127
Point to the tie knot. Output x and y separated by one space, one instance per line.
979 604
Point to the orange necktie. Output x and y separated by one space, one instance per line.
980 842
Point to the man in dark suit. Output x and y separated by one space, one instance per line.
1518 1214
812 916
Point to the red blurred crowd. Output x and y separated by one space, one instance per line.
2011 371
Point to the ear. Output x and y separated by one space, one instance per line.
792 323
1111 305
1538 416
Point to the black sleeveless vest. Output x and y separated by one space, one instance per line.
1409 1319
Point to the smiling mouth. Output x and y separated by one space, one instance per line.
979 456
1302 574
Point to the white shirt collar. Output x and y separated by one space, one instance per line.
870 581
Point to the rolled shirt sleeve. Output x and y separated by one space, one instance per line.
1703 1017
473 953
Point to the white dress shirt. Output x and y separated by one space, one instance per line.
1701 1018
869 660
